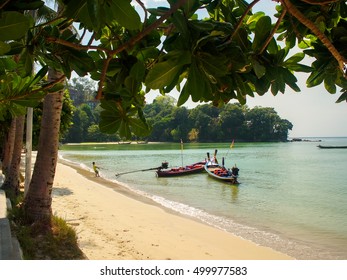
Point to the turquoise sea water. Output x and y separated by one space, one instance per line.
292 196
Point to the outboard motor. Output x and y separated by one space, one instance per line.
235 171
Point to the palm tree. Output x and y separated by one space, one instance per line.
38 201
11 184
8 143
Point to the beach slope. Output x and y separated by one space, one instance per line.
113 223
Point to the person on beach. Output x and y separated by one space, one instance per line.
96 169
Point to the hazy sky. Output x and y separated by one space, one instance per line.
313 111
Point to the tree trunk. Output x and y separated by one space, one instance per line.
8 147
38 201
12 179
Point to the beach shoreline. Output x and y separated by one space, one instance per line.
114 223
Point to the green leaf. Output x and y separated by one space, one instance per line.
94 13
190 6
4 48
26 64
17 110
124 130
125 14
293 65
201 83
40 75
31 100
7 63
180 22
13 26
300 68
259 69
316 78
241 90
138 127
255 17
343 97
114 118
290 79
272 47
131 84
74 7
275 88
195 84
160 11
28 5
262 32
329 84
80 62
295 58
56 88
183 96
110 119
16 48
114 68
201 25
214 66
280 56
179 57
162 74
138 71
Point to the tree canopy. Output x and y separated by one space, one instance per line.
206 123
229 54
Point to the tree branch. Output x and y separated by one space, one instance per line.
320 3
126 45
239 24
75 46
151 27
321 36
91 40
266 43
31 92
103 77
4 4
135 40
144 10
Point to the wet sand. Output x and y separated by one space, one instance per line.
114 223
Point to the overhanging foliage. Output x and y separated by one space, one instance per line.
210 50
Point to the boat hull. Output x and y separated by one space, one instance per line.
220 173
182 171
332 147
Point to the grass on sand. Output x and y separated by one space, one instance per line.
58 242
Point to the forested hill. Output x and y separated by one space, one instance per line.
204 123
207 123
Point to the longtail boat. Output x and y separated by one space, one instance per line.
194 168
332 147
220 172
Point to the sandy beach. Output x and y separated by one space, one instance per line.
113 223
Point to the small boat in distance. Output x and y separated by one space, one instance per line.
194 168
219 172
332 147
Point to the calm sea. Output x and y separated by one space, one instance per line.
292 196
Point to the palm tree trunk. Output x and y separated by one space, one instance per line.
38 201
12 180
8 147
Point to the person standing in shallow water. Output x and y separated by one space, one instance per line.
96 169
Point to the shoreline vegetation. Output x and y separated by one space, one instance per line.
130 142
112 222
